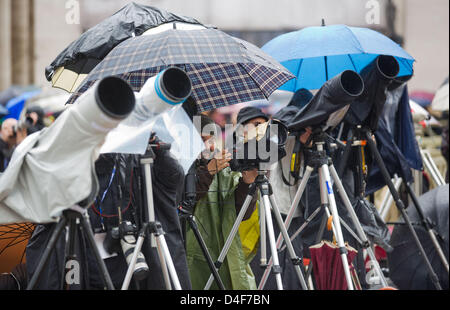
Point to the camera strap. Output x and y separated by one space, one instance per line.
113 173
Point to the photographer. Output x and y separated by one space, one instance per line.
10 137
35 115
220 196
284 187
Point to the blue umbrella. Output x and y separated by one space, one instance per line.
317 54
16 105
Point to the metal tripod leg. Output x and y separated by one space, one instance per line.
294 258
71 215
337 226
401 207
167 266
357 224
201 242
387 200
287 223
431 167
232 233
262 237
428 226
156 235
276 268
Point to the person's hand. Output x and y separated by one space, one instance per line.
219 162
249 176
305 136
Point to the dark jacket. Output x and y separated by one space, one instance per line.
5 155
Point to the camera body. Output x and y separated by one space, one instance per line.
123 238
115 234
258 151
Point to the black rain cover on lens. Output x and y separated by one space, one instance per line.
98 41
335 94
377 76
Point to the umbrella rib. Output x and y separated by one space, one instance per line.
298 73
351 59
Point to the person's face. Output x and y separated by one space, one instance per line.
252 124
7 131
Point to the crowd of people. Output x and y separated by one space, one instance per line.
219 196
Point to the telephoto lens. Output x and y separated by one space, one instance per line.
128 244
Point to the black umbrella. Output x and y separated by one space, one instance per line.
406 266
72 65
224 70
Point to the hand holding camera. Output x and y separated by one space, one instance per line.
219 162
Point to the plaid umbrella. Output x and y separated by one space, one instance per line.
224 70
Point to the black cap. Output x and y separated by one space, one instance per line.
248 113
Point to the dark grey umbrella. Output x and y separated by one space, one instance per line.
406 266
224 70
83 54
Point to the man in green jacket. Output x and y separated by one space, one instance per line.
221 193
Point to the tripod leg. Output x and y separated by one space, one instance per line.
137 249
304 225
201 242
294 258
164 266
262 237
401 207
287 223
70 254
234 230
162 246
346 154
276 268
427 225
431 167
106 278
359 229
338 231
46 255
387 201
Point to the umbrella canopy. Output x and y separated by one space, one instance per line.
16 105
3 111
224 70
440 100
73 64
327 265
406 266
316 54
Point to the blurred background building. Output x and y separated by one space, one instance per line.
33 32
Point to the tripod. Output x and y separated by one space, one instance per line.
152 229
71 218
360 133
268 202
186 213
317 159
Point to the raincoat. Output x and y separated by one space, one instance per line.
215 214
